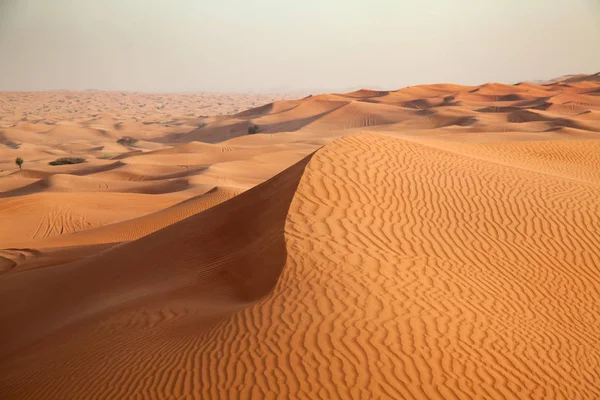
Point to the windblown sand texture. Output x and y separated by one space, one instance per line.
436 242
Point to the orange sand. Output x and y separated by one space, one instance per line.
436 242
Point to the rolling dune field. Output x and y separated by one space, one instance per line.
434 242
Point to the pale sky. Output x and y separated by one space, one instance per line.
284 45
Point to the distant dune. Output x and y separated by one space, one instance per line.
433 242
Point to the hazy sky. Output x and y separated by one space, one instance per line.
284 45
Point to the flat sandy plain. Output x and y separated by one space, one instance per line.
435 242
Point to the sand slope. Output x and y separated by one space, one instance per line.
411 272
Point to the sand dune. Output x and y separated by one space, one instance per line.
435 242
454 283
44 215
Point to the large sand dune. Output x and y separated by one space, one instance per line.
438 241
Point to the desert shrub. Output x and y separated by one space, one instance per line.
19 162
252 129
127 141
201 125
67 160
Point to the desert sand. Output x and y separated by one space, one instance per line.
434 242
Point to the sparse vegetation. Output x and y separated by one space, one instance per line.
127 141
252 129
105 156
19 162
201 125
67 160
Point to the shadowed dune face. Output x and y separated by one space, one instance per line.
219 263
442 242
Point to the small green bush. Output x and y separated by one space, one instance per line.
67 160
19 162
127 141
252 129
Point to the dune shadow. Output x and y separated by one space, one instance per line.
233 252
97 168
223 133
